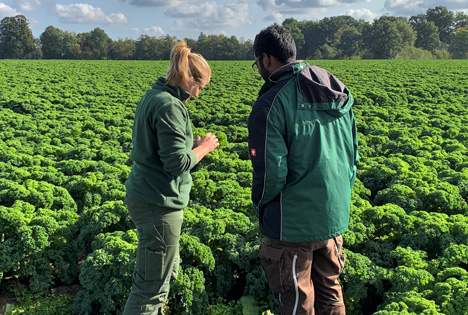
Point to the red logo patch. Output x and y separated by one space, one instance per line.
253 152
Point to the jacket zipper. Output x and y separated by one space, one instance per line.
296 288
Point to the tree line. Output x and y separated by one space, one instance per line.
439 33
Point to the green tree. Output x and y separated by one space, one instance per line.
408 35
231 47
292 26
416 19
323 38
148 48
387 41
16 38
427 33
192 43
57 44
349 44
461 20
246 49
459 46
167 43
37 53
123 49
208 45
68 41
313 39
49 40
388 36
94 45
444 20
221 47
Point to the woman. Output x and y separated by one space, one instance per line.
159 184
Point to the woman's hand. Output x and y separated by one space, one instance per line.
203 146
209 141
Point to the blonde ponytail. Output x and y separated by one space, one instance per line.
186 66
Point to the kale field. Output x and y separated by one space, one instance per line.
67 244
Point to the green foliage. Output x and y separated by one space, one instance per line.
216 242
106 273
452 295
36 243
362 282
414 53
16 38
192 297
109 217
222 307
249 305
389 37
410 303
57 44
40 303
459 43
400 195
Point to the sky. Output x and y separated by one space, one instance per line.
188 18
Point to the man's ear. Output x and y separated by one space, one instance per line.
266 60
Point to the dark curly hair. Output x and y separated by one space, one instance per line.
275 41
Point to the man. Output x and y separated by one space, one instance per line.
303 148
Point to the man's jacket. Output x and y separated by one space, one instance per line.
303 147
162 148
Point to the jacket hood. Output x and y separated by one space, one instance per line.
176 91
323 90
318 87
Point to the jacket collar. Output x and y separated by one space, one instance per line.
282 73
293 67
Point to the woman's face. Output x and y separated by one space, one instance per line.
194 88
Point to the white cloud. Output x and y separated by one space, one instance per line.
363 14
211 15
117 18
275 17
85 13
410 7
158 3
405 7
297 5
151 31
269 5
327 3
7 11
27 5
277 10
205 16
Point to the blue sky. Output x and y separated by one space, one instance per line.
188 18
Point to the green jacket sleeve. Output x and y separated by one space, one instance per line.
175 141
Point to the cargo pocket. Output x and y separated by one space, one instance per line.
271 259
154 265
151 254
341 257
